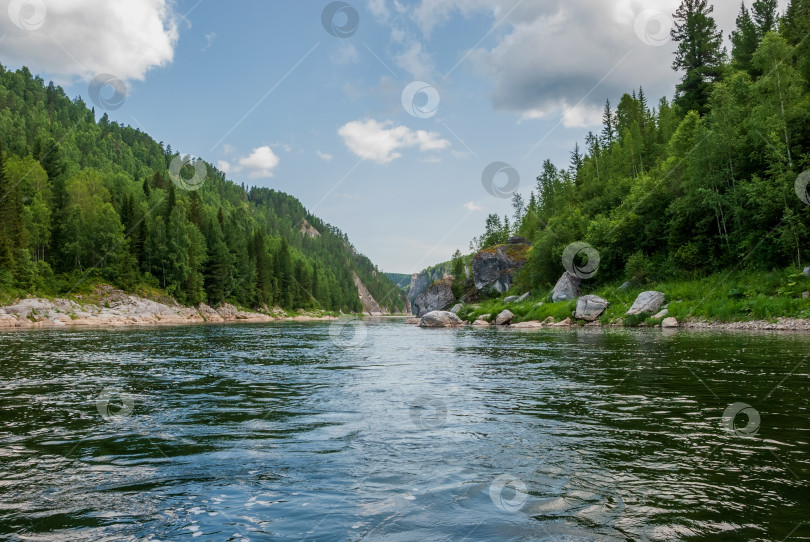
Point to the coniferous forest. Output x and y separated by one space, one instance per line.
84 202
708 183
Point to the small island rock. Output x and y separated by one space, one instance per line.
440 319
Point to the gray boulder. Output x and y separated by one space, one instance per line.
647 303
524 297
669 323
510 299
496 267
457 307
438 296
625 286
440 319
567 288
806 271
591 307
504 318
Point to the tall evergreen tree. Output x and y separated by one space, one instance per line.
765 16
699 54
744 40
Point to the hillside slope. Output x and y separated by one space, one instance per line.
83 202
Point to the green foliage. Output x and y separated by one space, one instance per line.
83 202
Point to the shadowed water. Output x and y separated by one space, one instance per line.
271 432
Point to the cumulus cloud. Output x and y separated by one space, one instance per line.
381 141
260 163
224 166
552 59
83 38
472 206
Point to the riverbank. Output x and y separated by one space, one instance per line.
108 307
772 300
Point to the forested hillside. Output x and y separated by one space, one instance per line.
709 183
83 202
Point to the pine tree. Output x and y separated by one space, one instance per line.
744 40
700 54
765 16
577 162
608 126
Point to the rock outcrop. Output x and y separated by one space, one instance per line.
370 305
496 267
438 296
590 307
647 303
440 319
569 287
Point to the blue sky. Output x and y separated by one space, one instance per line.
263 89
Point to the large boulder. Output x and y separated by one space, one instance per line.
504 318
567 288
669 323
438 296
496 267
591 307
440 319
647 303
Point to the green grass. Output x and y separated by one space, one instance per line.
734 297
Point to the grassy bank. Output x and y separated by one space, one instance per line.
736 297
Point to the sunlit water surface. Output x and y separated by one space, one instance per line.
275 432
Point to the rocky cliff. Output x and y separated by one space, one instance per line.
436 297
495 267
370 305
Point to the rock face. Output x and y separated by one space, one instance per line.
517 240
440 319
669 323
370 305
567 288
647 303
496 267
504 318
591 307
438 296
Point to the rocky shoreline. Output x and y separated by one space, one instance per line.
115 308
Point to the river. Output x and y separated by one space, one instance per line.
290 431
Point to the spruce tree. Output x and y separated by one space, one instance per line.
700 54
744 40
765 16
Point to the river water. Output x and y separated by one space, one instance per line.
392 432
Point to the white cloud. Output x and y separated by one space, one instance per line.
472 206
260 164
381 141
224 166
84 38
344 53
325 156
209 41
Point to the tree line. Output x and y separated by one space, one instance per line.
85 201
703 184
